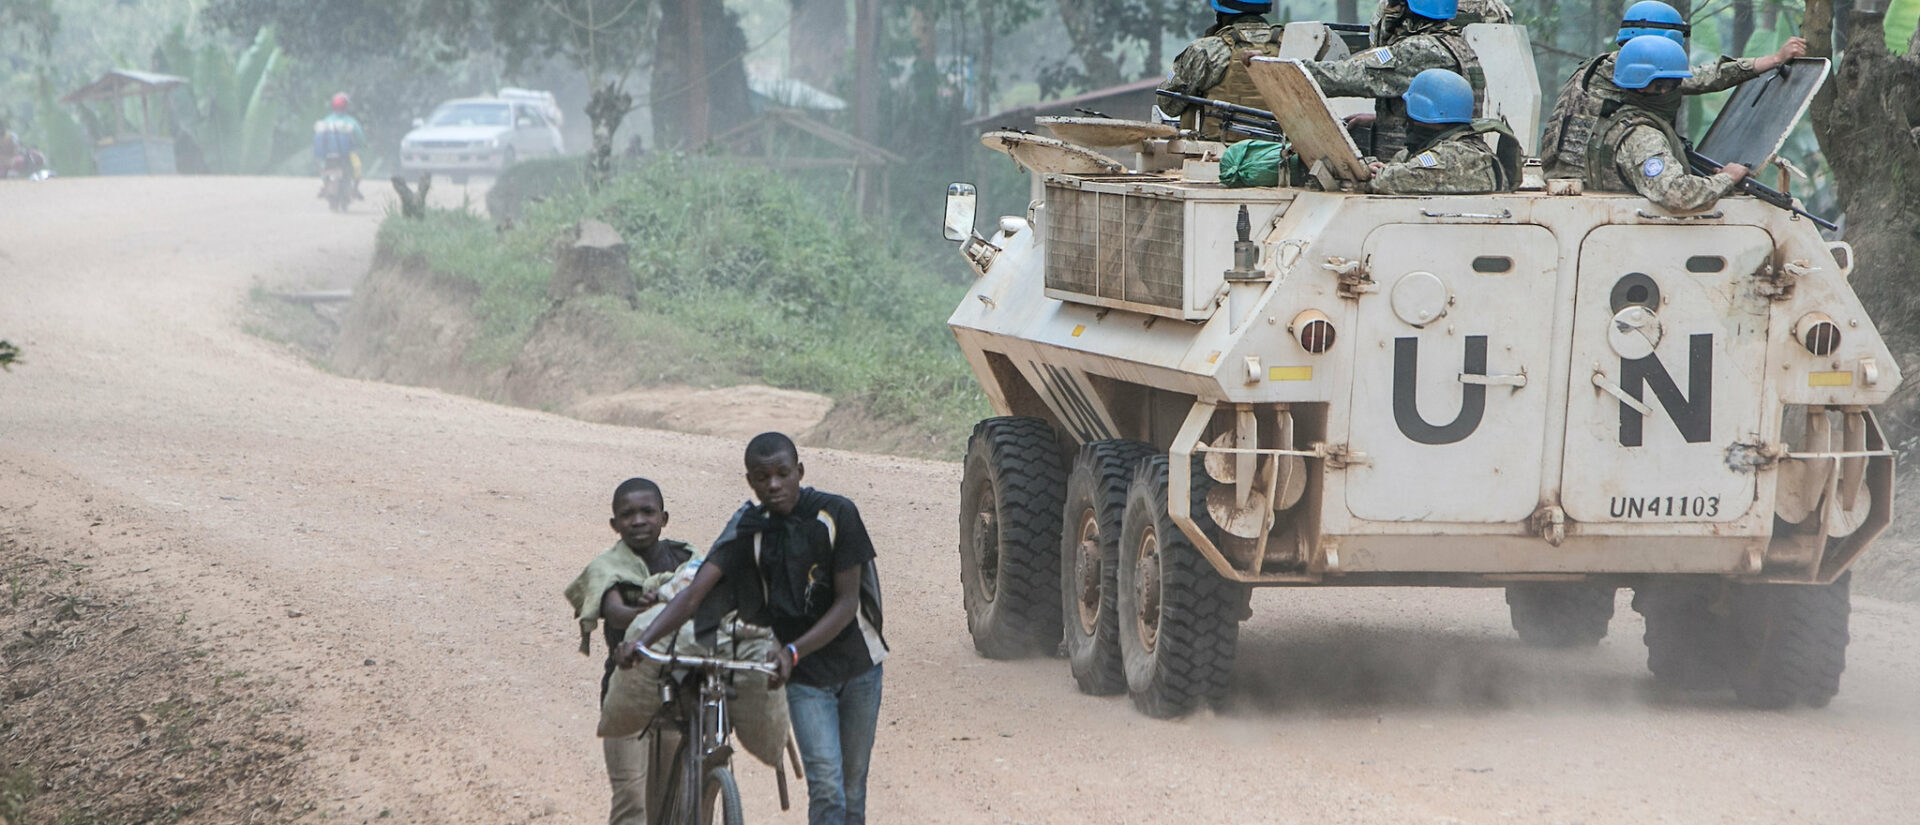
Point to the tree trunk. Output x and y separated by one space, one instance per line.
817 41
1086 24
699 84
1156 34
1865 121
1603 21
605 110
984 103
1742 31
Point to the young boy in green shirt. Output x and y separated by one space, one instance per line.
613 590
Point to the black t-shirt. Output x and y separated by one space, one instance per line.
778 572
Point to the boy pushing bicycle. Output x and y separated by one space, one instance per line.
799 561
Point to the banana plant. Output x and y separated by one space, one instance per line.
232 111
1902 17
64 139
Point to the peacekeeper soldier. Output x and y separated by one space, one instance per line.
1388 17
1589 94
1425 38
1636 148
1215 66
1446 152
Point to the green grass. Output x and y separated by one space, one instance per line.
742 274
17 788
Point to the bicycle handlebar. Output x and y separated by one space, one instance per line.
706 661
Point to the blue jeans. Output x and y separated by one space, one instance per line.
834 727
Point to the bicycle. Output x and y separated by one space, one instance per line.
701 769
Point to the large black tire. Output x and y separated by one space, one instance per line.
720 799
1176 614
1789 642
1560 614
1089 555
1685 636
1010 502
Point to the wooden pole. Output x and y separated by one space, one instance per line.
866 80
866 88
697 103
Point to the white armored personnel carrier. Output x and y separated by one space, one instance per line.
1201 390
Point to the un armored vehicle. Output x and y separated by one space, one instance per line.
1202 390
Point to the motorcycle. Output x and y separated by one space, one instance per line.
28 163
336 181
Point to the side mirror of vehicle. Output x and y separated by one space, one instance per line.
419 122
958 225
524 123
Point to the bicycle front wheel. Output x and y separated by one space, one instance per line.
720 798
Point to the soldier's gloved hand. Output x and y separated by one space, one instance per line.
1736 171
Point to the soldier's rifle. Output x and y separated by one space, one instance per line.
1254 123
1706 166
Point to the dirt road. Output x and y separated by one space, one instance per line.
308 524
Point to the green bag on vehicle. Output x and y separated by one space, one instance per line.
1251 163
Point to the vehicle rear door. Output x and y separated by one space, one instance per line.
1669 356
1450 367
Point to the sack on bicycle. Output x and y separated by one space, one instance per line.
760 722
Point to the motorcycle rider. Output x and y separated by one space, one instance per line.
340 134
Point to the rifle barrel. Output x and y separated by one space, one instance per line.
1219 105
1747 184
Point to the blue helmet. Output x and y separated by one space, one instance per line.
1242 6
1434 9
1648 58
1439 96
1656 18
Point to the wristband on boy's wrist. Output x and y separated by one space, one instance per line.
793 656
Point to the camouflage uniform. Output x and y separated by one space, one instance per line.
1384 72
1640 152
1389 15
1455 162
1210 67
1589 95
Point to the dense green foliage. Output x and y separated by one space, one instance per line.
742 274
229 109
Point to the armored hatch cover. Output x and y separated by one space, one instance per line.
1104 132
1306 118
1050 156
1757 118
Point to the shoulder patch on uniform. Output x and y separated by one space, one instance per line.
1383 56
1427 159
1653 167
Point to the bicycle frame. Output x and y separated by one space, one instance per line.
704 727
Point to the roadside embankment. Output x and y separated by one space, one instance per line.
682 295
